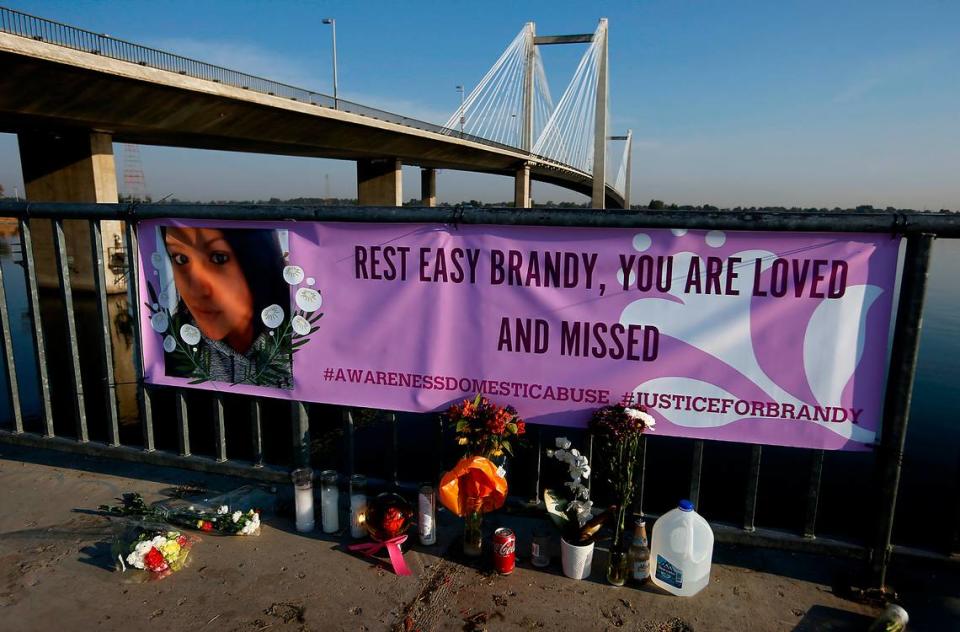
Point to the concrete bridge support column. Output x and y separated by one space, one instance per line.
428 187
71 167
521 187
379 182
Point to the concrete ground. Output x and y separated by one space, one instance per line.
56 574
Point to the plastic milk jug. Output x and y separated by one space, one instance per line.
681 550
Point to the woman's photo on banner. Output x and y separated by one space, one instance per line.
221 300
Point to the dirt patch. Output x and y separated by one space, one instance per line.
287 612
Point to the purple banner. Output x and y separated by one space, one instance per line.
772 338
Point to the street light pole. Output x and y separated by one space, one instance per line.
463 117
333 25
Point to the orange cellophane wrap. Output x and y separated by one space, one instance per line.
473 485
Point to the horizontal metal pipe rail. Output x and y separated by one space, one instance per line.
919 229
895 223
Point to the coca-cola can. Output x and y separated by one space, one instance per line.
504 550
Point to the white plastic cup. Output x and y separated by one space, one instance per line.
577 561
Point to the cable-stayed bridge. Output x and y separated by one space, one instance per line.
70 93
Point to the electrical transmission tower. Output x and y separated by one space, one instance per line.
133 180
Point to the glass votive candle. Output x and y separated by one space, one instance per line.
329 501
427 514
358 506
303 498
540 549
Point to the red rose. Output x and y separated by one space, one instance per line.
182 540
206 525
521 427
393 520
154 561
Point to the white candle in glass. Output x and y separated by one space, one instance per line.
358 515
304 503
358 505
303 498
329 501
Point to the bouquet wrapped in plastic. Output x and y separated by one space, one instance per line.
227 514
153 550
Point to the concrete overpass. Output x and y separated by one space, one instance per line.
67 107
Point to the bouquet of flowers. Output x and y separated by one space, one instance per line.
484 428
619 429
220 519
153 549
573 516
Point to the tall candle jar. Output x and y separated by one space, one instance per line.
358 506
329 501
303 498
427 514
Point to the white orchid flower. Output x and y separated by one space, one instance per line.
236 516
224 509
579 469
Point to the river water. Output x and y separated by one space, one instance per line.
931 474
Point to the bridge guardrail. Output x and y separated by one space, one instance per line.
44 30
919 229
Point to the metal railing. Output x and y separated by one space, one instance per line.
49 31
918 229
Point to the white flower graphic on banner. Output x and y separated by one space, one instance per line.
159 322
293 275
309 300
272 316
301 326
190 334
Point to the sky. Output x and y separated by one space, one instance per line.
734 103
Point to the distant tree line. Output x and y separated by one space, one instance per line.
658 205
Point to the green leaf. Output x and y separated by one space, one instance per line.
555 505
506 447
462 425
315 318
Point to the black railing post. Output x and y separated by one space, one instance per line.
133 289
903 366
12 385
813 494
39 341
753 486
106 343
301 434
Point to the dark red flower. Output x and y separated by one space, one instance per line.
206 525
182 540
